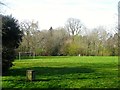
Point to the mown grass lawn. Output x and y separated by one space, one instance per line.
64 72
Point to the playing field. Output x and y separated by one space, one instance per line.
64 72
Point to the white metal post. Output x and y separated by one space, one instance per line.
33 55
19 55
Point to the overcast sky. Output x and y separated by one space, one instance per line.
92 13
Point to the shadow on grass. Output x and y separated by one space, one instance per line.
50 71
43 57
47 74
53 57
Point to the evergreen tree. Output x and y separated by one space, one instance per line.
11 37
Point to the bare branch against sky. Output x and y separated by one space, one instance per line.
1 3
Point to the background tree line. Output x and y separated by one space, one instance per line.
72 39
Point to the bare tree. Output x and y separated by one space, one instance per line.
30 30
73 26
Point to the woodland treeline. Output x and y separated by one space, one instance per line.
72 39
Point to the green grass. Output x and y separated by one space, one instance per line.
64 72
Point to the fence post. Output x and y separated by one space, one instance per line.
30 75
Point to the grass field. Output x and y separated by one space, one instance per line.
64 72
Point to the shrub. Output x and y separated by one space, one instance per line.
11 37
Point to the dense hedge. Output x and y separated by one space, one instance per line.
11 37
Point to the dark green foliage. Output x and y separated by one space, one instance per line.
11 37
